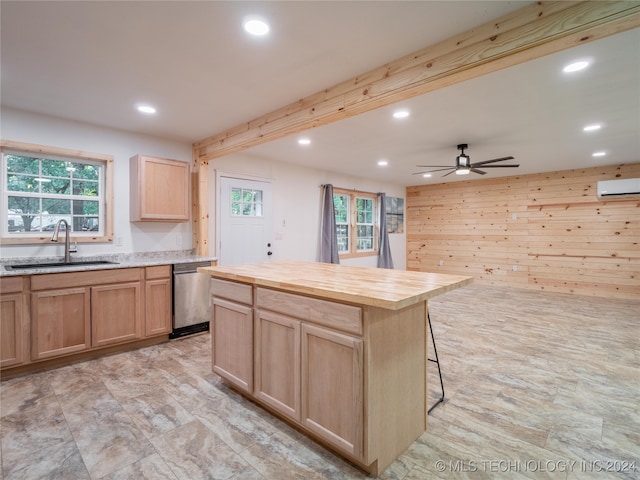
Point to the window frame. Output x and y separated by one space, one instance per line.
56 153
352 196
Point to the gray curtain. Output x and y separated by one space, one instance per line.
328 237
384 256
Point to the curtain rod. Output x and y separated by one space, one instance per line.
351 189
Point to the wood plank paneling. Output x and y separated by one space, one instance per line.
543 231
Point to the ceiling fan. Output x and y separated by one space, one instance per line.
463 164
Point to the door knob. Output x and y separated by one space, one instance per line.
269 253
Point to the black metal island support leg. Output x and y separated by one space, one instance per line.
437 362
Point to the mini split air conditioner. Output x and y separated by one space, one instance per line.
612 189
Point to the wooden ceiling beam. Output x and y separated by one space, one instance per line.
536 30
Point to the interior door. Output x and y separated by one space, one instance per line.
246 226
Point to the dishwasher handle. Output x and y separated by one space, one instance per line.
191 267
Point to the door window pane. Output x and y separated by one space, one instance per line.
246 202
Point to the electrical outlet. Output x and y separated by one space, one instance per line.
514 268
119 242
179 240
441 262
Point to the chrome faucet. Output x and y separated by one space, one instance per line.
67 233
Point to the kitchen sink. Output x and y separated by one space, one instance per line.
32 266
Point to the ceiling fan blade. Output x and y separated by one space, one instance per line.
434 166
431 171
475 170
478 164
497 166
449 173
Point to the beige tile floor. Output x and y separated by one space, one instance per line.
538 385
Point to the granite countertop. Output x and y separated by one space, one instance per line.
122 260
377 287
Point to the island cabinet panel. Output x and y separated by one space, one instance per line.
232 343
116 313
277 362
13 323
332 388
60 322
322 312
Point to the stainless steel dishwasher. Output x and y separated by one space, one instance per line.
191 304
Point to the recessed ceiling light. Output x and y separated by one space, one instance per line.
256 26
576 66
598 154
401 114
148 109
304 141
592 128
383 163
426 175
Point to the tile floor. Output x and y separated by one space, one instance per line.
538 385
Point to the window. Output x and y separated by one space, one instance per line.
246 202
42 186
356 225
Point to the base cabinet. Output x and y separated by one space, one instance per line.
157 303
277 362
13 323
332 387
302 369
115 314
232 343
60 322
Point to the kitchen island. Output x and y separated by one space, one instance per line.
340 352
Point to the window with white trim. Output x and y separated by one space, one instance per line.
40 189
356 223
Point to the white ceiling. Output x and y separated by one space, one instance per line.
93 61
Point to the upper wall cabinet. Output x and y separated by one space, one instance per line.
159 189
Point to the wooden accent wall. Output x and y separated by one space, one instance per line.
545 231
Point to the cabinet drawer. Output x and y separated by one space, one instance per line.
238 292
161 271
11 285
52 281
347 318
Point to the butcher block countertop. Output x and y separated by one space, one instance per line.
376 287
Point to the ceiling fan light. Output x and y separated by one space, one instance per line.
462 171
462 160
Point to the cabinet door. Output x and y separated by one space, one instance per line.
277 362
115 313
157 317
60 322
332 388
232 343
159 189
12 330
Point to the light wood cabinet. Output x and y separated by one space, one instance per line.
362 353
159 189
13 323
157 317
332 388
74 312
311 374
277 362
60 322
115 313
43 317
232 343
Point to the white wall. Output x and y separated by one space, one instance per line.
296 202
296 192
135 237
